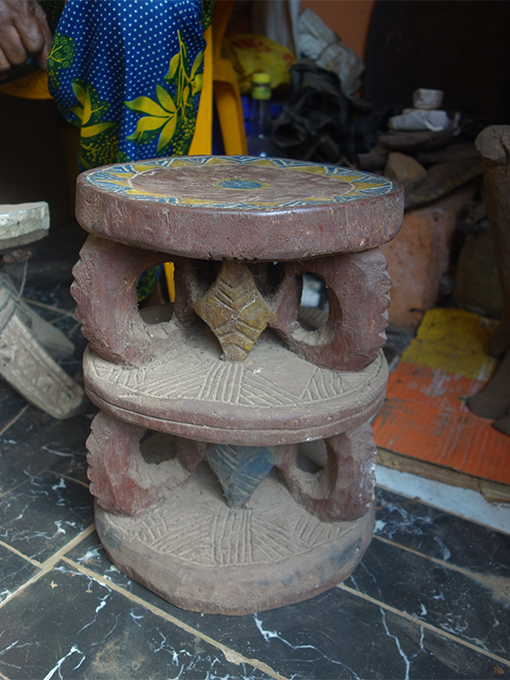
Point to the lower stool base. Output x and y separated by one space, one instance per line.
199 554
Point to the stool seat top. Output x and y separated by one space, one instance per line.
239 207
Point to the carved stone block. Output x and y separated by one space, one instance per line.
28 344
23 223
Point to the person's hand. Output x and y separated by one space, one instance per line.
24 34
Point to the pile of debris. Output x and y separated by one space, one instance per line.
425 150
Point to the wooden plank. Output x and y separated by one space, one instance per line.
493 492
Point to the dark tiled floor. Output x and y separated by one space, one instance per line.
431 599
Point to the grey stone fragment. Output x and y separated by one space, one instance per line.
22 224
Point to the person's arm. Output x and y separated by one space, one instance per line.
24 34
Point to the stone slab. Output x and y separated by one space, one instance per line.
26 364
419 256
404 169
23 223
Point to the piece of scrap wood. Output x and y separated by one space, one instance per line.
492 491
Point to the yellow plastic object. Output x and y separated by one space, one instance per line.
201 145
226 90
220 78
169 274
32 86
229 107
454 340
251 53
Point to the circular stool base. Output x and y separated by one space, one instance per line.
199 554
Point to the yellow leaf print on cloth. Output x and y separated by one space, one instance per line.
172 115
61 56
94 151
161 116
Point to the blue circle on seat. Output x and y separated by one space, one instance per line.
244 184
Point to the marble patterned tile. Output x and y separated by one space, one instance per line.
68 625
474 608
14 572
64 446
11 403
43 514
37 442
336 635
20 456
441 535
354 638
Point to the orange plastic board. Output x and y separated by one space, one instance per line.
425 417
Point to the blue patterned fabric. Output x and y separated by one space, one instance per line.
128 73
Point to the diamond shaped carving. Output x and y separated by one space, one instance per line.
234 310
240 469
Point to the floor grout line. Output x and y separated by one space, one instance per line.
18 486
231 655
51 561
35 563
46 566
71 479
424 624
47 471
11 422
442 563
413 551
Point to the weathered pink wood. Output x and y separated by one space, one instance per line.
104 288
273 398
124 483
358 288
121 480
202 555
344 489
242 232
210 230
190 285
358 294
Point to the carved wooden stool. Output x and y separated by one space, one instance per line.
232 461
